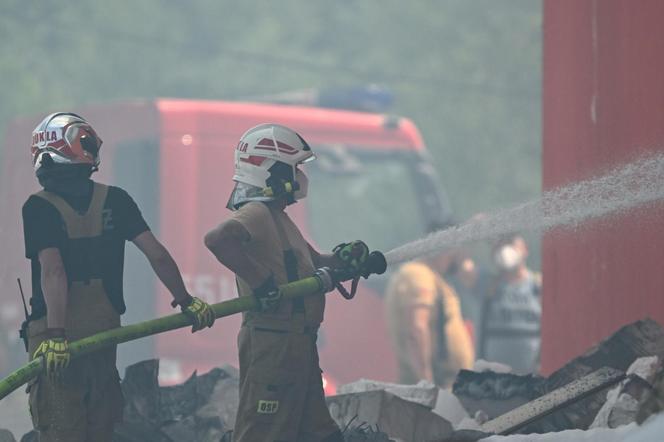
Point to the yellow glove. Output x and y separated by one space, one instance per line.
55 352
200 313
352 255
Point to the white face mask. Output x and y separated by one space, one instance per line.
507 258
303 181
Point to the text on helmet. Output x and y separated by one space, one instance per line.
44 136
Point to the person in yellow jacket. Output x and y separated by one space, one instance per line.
429 335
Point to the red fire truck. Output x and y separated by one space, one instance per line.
372 181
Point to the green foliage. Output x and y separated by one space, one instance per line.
466 71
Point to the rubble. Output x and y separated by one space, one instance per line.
638 339
363 433
548 403
496 393
493 394
424 392
201 409
652 401
401 419
449 407
622 402
441 402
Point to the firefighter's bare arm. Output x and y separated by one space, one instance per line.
323 260
167 270
420 341
54 349
163 264
54 286
227 243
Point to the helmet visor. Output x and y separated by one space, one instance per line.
309 159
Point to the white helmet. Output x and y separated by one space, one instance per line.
261 147
66 138
267 156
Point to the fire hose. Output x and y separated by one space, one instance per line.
323 281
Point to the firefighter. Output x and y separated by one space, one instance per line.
281 389
429 335
75 232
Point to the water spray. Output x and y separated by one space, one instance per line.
638 183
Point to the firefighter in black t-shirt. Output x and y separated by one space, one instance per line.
75 232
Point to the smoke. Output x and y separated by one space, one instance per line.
624 188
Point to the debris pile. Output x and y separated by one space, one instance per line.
407 421
423 393
201 409
653 400
616 383
622 402
492 394
604 394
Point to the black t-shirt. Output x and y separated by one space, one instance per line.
44 228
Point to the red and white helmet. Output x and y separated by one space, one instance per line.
67 138
265 148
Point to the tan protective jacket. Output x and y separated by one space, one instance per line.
281 389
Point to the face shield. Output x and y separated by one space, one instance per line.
243 192
302 184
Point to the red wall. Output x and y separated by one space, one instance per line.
603 104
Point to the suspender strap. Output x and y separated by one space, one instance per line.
86 225
84 232
290 260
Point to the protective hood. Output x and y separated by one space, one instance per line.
66 179
243 193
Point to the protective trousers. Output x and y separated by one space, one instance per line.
86 403
281 388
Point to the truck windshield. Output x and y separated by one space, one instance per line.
385 198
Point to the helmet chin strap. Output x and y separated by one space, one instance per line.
283 188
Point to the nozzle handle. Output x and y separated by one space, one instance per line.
376 263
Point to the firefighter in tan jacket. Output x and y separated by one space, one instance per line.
281 389
424 318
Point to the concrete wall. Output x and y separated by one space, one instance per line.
603 105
